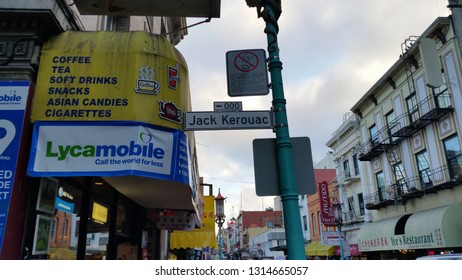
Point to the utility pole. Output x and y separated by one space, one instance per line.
270 10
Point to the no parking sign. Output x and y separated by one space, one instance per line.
247 72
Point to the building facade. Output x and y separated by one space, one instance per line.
63 78
410 134
345 142
251 223
269 243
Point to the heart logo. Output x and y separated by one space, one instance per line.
146 138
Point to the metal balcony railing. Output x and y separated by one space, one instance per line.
427 111
378 200
346 176
352 217
377 144
424 113
400 192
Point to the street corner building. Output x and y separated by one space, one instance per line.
94 157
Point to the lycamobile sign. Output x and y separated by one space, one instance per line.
62 152
108 149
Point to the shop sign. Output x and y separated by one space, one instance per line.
208 216
354 251
176 222
327 214
13 100
427 240
107 76
109 149
330 238
99 213
65 206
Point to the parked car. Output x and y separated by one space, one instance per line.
442 257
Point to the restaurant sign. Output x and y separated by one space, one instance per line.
432 239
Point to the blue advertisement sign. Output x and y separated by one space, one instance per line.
109 149
13 100
63 205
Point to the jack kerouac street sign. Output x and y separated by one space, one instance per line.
228 120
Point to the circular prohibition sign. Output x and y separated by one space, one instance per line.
246 61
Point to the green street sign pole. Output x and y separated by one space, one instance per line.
270 11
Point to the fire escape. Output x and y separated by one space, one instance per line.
386 141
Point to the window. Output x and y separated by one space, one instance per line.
103 239
355 164
453 156
380 181
90 238
64 231
398 170
77 226
442 97
314 224
351 208
362 210
412 108
305 223
423 167
346 169
319 224
54 225
391 125
374 135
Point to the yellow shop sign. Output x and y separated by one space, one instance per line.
129 76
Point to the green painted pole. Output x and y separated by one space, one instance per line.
270 10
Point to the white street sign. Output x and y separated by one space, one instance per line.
228 120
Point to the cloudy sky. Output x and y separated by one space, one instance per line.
332 53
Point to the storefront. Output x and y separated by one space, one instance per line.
83 218
432 231
197 243
108 152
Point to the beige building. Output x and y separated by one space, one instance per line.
345 143
410 134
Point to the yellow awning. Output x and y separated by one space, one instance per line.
317 249
310 249
192 239
198 238
325 251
